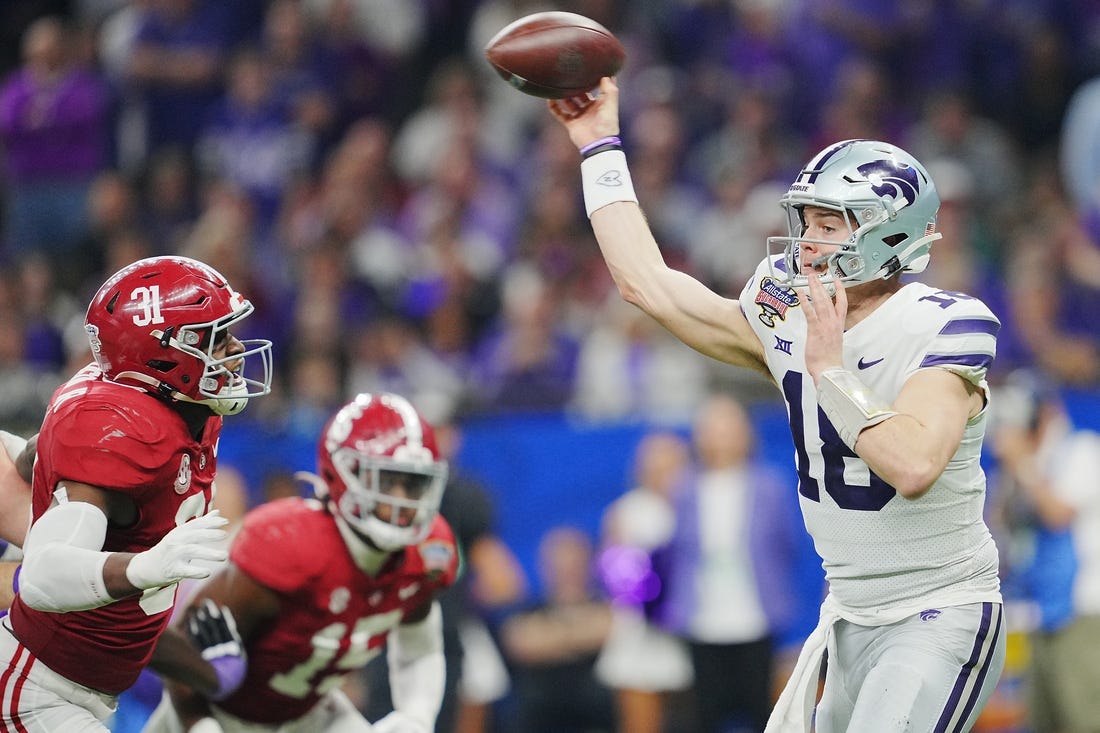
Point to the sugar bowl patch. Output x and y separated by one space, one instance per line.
774 300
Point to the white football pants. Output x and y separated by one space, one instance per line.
930 673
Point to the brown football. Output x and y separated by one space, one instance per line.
555 54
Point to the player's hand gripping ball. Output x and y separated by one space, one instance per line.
555 55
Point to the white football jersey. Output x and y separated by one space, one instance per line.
880 550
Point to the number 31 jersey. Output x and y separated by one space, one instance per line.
880 550
128 442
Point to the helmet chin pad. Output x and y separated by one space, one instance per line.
230 399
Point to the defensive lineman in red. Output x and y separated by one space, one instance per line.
123 486
317 586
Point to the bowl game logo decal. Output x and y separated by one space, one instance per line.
774 300
437 557
93 338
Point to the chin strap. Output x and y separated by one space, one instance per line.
163 389
228 405
918 264
155 385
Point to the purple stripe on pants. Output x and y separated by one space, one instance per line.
976 658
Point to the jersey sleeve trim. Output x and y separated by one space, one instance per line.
965 345
975 361
961 326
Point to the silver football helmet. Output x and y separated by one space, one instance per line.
887 199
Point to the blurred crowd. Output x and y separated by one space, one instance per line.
404 220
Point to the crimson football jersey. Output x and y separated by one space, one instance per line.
333 617
123 439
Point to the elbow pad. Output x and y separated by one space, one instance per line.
63 560
417 667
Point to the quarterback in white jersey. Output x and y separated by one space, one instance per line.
886 393
857 520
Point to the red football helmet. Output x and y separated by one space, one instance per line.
379 463
155 324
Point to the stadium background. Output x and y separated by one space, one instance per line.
825 68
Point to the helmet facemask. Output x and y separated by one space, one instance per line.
392 501
225 386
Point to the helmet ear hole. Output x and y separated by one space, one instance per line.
895 239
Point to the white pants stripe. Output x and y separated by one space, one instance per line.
35 699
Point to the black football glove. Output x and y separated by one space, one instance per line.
213 631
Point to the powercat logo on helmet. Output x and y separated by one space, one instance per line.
893 179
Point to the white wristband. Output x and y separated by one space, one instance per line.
850 404
605 180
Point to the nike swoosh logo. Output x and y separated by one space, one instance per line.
868 364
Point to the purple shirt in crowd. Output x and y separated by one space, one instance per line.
56 131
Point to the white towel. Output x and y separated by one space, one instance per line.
793 712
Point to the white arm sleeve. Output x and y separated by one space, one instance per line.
417 667
63 559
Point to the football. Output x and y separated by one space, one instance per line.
555 54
